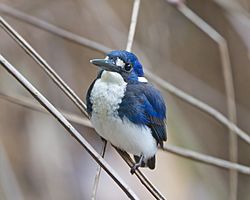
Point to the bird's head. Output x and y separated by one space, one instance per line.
122 62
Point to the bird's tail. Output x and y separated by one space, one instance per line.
150 163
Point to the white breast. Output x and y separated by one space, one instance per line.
106 95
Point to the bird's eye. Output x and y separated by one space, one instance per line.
128 67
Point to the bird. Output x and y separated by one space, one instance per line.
125 109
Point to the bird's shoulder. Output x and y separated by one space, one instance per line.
147 96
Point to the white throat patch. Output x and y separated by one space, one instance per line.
112 77
142 79
107 94
119 62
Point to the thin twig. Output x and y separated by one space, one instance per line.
177 92
133 24
28 103
229 86
206 159
98 172
52 29
70 129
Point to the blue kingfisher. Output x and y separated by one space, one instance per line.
125 109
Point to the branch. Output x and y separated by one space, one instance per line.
206 159
133 23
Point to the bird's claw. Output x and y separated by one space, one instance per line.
134 167
137 165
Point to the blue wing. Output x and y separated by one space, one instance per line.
144 105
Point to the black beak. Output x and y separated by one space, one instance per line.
105 64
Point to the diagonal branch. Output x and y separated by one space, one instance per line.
70 129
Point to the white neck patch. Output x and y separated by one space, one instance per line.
112 77
106 95
119 62
142 79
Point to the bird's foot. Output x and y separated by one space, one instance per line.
137 165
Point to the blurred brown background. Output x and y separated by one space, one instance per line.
40 160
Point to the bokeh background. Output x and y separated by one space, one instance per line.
40 160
